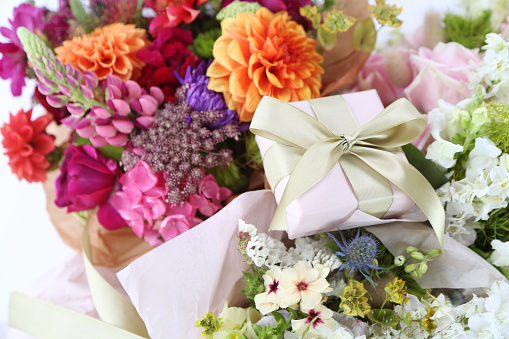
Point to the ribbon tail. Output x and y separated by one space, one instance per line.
312 167
411 182
112 307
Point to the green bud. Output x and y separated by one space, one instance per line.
417 255
410 268
399 260
416 274
236 7
479 120
434 253
411 249
459 123
423 267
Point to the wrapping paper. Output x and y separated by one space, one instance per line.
196 272
66 285
109 248
332 202
458 267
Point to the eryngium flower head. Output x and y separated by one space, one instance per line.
358 254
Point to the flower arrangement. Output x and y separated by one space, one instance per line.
160 104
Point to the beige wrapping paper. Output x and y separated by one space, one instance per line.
109 248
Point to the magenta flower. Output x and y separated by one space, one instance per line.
87 180
14 59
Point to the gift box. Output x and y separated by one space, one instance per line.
332 202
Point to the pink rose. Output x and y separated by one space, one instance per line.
441 73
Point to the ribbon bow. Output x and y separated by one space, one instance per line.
307 149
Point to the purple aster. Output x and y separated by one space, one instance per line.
14 59
358 254
201 98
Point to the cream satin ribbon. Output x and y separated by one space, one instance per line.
45 320
307 148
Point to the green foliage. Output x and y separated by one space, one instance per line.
276 332
236 7
204 43
87 21
427 168
253 152
468 31
498 129
496 227
384 316
412 286
230 177
364 36
254 284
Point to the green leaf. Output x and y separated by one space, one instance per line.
230 177
383 316
84 19
140 3
427 168
364 36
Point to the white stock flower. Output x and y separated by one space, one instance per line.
500 256
264 250
442 152
314 252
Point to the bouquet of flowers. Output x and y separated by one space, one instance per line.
167 110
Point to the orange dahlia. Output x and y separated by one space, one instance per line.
264 54
107 50
26 145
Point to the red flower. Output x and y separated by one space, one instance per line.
168 53
26 145
176 12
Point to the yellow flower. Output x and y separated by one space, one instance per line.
210 324
353 301
427 322
396 291
386 14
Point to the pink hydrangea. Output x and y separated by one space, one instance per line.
141 202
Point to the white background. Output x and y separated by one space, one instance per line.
29 245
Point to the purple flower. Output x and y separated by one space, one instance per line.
201 98
87 180
14 60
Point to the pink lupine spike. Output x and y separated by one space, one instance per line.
98 141
136 106
123 90
101 112
59 75
91 79
145 121
134 89
123 126
114 92
72 81
148 105
45 90
59 63
113 80
121 107
71 121
106 131
69 69
65 90
118 140
86 132
158 94
87 92
75 109
55 101
48 69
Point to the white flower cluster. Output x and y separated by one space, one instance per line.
437 318
484 188
265 250
494 69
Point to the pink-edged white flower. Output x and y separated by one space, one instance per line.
269 300
303 283
323 317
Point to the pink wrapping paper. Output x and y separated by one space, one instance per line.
332 203
176 283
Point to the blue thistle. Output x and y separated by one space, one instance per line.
358 254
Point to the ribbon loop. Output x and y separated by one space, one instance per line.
365 153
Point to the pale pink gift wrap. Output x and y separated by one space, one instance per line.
176 283
331 204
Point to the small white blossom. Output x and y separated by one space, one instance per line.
500 256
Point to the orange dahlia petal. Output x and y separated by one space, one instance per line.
107 50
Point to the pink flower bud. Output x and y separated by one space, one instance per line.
118 140
75 109
134 89
101 112
55 101
123 126
65 90
87 92
121 107
106 131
